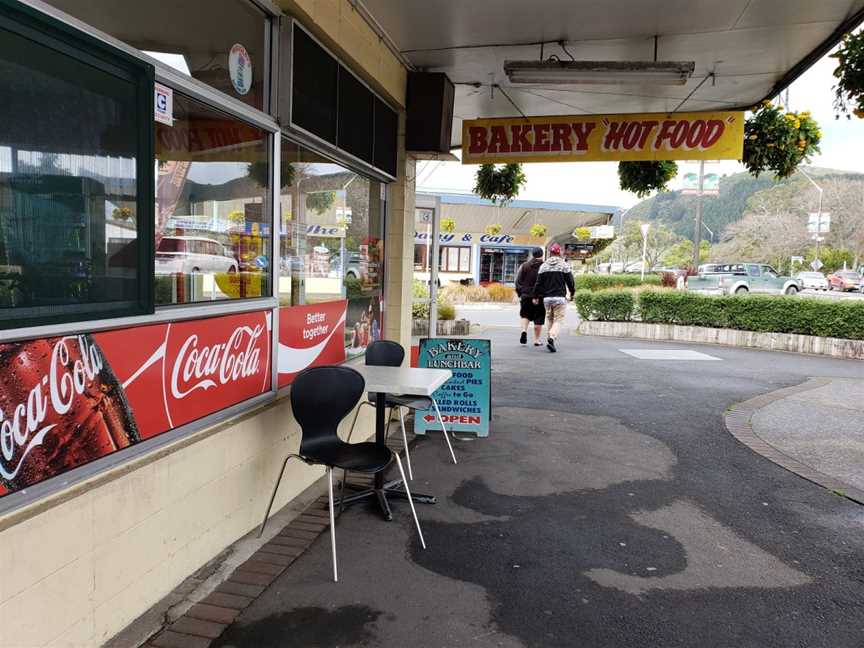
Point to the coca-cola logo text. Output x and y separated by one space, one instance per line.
22 429
201 367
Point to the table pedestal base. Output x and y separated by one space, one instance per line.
391 489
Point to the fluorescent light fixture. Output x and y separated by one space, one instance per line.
600 72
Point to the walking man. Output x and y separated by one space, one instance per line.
555 287
530 310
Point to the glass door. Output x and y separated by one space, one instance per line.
426 265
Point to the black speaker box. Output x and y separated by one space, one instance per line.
429 119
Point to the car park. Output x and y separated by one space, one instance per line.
813 280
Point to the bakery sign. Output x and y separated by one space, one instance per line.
584 138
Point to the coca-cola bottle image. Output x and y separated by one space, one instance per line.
61 406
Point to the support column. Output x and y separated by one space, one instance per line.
399 249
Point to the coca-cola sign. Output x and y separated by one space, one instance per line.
225 363
310 335
66 401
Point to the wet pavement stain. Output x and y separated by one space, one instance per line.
305 627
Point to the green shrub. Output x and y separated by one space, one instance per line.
603 282
446 311
353 287
605 306
760 313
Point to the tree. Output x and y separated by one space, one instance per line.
680 255
765 238
628 246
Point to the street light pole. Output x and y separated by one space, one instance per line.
644 229
818 210
697 231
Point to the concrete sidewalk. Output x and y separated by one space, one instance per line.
821 425
609 507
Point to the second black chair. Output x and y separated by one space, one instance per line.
320 398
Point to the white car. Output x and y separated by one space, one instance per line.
192 254
814 280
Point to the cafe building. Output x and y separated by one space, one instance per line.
197 201
200 199
486 243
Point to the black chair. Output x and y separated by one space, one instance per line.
386 353
320 398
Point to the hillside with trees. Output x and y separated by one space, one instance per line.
757 219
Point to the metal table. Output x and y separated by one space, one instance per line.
395 380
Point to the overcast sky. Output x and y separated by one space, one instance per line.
597 182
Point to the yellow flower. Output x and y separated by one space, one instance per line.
790 116
818 134
797 124
806 113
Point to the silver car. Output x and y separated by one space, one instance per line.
813 280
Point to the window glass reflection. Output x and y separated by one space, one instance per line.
332 246
212 222
68 186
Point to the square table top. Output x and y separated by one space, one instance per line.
403 380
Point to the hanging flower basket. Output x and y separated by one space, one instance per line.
643 178
448 225
849 89
494 229
582 234
500 185
538 231
778 142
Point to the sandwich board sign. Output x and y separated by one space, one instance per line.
465 400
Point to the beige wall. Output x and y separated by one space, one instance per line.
77 572
399 248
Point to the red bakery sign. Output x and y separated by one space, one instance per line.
66 401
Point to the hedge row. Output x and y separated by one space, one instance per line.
760 313
603 282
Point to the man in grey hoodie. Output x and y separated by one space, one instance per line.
555 287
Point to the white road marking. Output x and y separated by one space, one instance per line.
667 354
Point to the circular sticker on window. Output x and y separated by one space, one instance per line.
240 69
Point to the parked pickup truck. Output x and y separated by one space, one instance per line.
740 279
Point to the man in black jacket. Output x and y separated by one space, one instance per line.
555 287
529 310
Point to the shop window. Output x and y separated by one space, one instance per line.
355 116
332 248
321 96
219 42
314 87
75 156
454 259
212 217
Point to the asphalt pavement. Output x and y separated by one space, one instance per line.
609 507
